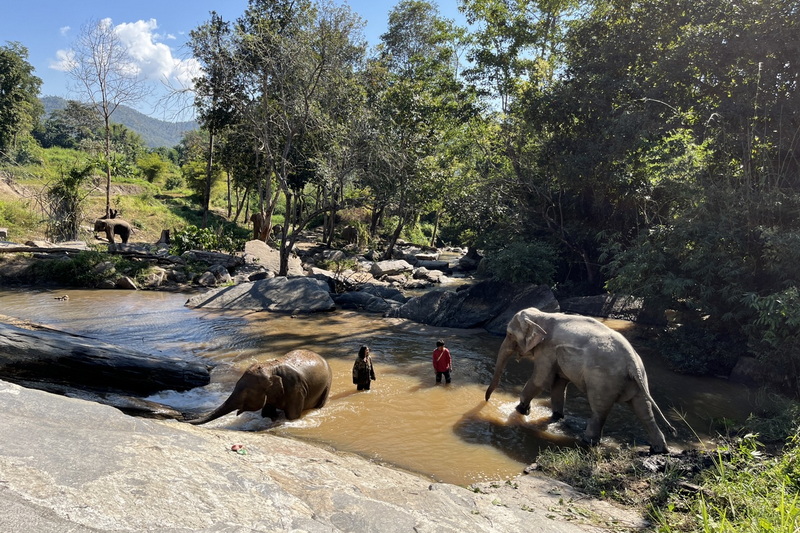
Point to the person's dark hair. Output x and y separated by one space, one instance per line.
362 353
440 343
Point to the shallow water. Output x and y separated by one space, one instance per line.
448 433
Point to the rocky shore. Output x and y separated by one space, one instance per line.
78 466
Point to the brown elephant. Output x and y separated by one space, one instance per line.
580 350
113 226
296 382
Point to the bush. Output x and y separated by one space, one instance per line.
80 269
523 262
194 238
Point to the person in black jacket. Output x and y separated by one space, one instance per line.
363 373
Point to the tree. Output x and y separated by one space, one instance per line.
216 90
419 104
71 126
102 70
19 91
292 54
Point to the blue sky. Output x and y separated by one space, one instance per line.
155 30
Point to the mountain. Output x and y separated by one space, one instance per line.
155 132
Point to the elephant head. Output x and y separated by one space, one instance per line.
523 334
252 392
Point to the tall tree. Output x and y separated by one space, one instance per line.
216 89
19 91
103 71
418 102
293 51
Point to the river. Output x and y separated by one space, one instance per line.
448 433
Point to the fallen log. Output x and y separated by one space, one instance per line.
47 355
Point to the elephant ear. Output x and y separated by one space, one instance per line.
534 334
274 390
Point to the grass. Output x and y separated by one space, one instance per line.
738 487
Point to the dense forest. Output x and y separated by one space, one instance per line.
644 148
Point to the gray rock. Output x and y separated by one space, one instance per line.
73 465
270 258
489 304
126 283
280 294
363 301
390 268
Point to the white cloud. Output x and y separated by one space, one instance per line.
152 59
64 60
64 30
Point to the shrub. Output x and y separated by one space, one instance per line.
523 262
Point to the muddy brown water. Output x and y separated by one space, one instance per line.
448 433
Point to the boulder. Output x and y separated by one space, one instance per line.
48 356
280 294
620 307
364 301
390 268
489 304
126 283
270 259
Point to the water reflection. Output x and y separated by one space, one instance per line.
446 432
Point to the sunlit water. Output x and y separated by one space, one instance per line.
446 432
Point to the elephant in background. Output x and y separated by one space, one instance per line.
580 350
293 383
112 227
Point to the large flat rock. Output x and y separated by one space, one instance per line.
72 465
281 294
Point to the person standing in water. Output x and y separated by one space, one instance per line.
442 362
363 373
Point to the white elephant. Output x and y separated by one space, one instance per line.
580 350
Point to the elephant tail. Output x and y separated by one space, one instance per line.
638 375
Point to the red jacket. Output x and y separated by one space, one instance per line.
441 359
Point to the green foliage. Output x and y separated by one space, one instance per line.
695 349
18 217
194 238
19 90
152 166
745 492
64 204
522 262
83 269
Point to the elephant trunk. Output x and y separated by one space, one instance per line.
222 410
508 347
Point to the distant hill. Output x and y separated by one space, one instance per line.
155 132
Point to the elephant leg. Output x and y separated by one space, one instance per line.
558 393
644 412
601 407
529 392
293 404
269 411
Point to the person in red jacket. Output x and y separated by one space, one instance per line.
442 362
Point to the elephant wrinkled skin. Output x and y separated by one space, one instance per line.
296 382
580 350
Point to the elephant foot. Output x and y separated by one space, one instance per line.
523 409
591 441
658 450
556 416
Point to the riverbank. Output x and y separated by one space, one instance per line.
72 465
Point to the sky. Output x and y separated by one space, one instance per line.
156 32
